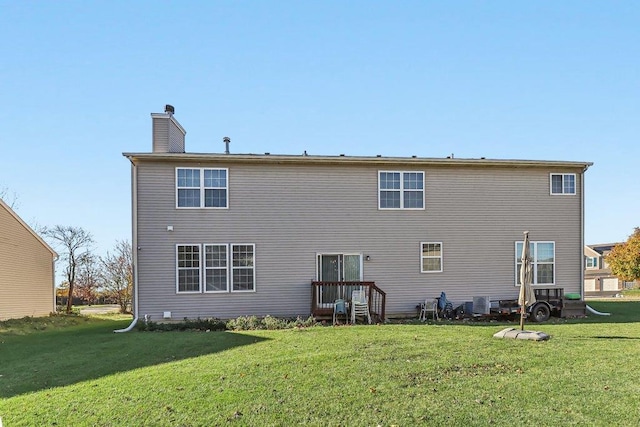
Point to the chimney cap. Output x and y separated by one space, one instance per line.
169 109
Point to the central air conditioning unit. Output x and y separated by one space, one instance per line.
481 305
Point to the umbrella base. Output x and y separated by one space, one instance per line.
521 335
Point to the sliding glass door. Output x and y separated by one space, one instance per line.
338 268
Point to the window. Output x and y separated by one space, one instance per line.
400 190
592 262
543 257
243 272
431 257
215 268
201 188
563 183
188 268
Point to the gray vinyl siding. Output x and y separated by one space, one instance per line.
26 271
160 135
176 138
293 212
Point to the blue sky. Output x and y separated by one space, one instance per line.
501 79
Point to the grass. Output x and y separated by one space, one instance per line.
631 293
77 372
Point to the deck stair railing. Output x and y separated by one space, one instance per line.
324 294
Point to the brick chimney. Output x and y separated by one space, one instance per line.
167 134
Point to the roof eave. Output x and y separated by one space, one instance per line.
304 159
29 229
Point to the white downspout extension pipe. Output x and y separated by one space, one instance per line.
592 311
134 245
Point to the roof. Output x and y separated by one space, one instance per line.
351 160
29 229
603 247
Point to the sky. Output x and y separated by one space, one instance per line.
539 80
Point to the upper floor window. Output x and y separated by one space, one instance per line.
563 183
201 188
400 190
543 257
592 262
431 256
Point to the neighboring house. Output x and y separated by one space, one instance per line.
224 235
598 278
26 269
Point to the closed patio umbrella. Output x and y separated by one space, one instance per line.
527 296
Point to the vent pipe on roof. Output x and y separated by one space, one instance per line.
226 141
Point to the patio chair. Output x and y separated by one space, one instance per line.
429 306
340 309
359 306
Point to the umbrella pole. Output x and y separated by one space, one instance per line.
522 314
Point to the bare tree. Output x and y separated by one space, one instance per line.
88 278
74 244
10 198
117 270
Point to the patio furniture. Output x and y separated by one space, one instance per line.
340 309
359 306
429 306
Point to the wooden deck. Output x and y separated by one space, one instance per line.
323 294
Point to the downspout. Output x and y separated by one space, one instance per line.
53 279
582 233
589 309
134 244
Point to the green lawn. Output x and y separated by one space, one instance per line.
75 372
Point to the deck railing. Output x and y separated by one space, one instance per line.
324 294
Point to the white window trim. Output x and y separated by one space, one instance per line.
536 263
423 257
340 268
402 190
232 268
575 184
202 269
178 291
202 188
205 268
591 267
340 255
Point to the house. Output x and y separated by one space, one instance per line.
223 235
26 269
598 279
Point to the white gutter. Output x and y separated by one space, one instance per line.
134 245
365 160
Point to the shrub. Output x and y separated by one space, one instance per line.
211 324
305 323
247 323
242 323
